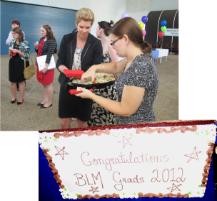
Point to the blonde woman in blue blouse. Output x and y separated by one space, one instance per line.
19 52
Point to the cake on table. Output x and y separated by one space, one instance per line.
161 159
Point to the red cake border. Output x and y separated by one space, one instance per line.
150 124
185 125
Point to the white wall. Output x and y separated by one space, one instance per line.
139 8
110 9
103 9
164 5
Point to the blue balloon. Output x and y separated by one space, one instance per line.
163 23
144 19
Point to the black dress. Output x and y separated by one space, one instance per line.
99 116
16 68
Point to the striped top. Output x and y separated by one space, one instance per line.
50 47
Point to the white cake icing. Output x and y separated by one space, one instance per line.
131 161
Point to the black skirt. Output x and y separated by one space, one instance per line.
16 68
71 106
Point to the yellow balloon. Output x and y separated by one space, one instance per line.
141 25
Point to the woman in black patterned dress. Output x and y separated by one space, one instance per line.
137 82
99 116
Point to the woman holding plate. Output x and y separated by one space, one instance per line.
137 82
78 51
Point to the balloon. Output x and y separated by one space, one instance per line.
163 29
144 33
163 23
160 34
141 25
144 19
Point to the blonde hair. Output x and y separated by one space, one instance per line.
85 14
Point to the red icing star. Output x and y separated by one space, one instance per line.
174 187
194 155
125 141
61 152
94 189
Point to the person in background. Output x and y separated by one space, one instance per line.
78 50
99 116
102 33
137 83
47 46
14 24
19 52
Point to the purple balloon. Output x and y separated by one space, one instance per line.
144 19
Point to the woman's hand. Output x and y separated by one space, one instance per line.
36 45
19 52
90 74
62 68
45 69
85 93
10 52
13 50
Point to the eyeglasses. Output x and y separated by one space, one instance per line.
113 42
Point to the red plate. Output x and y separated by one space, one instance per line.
73 73
74 91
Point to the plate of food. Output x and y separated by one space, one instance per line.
102 80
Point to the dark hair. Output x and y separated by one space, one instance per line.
49 31
130 27
20 33
106 26
15 22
